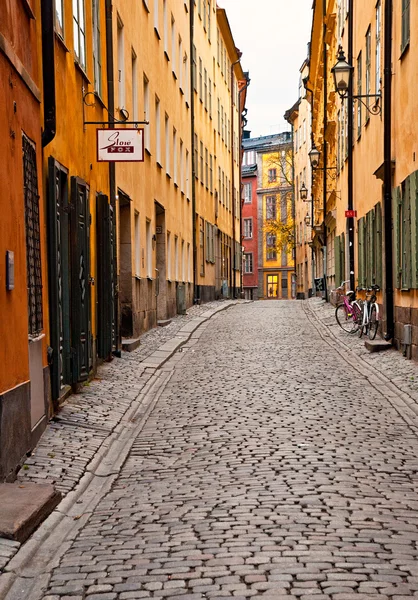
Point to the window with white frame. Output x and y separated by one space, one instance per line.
121 64
173 46
59 17
157 131
137 245
134 86
97 48
165 27
189 263
180 69
271 208
187 175
248 228
176 257
169 256
156 16
378 47
79 32
248 262
147 136
149 248
272 175
181 161
175 161
368 66
167 143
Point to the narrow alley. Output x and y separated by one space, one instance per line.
269 464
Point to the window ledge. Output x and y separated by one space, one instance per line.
168 175
28 9
81 70
166 55
148 151
174 74
157 33
159 164
404 50
61 42
137 277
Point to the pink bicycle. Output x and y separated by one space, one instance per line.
348 312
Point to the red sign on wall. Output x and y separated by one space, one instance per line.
350 213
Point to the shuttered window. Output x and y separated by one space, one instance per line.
369 247
406 5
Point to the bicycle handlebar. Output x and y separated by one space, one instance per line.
373 288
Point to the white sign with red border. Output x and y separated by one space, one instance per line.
120 145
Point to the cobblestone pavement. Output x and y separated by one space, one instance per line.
268 468
85 420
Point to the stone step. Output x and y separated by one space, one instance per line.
163 322
130 344
24 506
377 345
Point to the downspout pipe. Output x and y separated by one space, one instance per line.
112 169
196 294
48 71
350 139
387 185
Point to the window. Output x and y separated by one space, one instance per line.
359 81
200 80
208 237
248 262
205 95
202 174
194 69
156 27
207 168
97 60
368 67
175 165
33 242
167 144
202 245
165 27
121 66
248 228
189 264
187 175
157 131
180 70
272 175
169 256
186 77
219 115
181 167
271 208
137 245
271 252
211 173
173 45
149 248
247 193
196 156
134 86
369 240
378 46
406 5
210 97
59 17
79 31
183 261
147 143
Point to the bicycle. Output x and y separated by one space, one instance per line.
370 313
348 312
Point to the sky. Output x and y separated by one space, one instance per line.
273 36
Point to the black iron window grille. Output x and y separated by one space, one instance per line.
33 244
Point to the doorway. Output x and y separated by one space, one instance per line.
272 286
161 276
125 265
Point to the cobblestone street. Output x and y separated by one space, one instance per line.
269 464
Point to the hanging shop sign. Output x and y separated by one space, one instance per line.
120 145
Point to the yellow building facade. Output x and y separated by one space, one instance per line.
217 78
154 209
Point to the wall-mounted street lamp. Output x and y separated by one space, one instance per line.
303 192
314 156
307 220
343 73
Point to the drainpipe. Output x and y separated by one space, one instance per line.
196 294
387 186
112 171
325 148
350 139
48 71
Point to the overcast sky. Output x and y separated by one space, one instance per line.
273 36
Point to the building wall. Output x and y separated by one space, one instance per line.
24 399
157 191
250 244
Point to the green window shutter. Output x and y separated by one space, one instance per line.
360 247
396 214
413 188
379 244
342 250
406 236
368 250
337 254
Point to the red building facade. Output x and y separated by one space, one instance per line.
250 226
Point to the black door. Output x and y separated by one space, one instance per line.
80 280
59 277
105 277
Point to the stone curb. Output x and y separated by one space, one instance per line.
402 402
45 547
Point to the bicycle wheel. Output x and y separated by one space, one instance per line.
363 329
373 323
345 319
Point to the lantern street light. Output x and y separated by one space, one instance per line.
343 72
303 192
307 220
314 155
